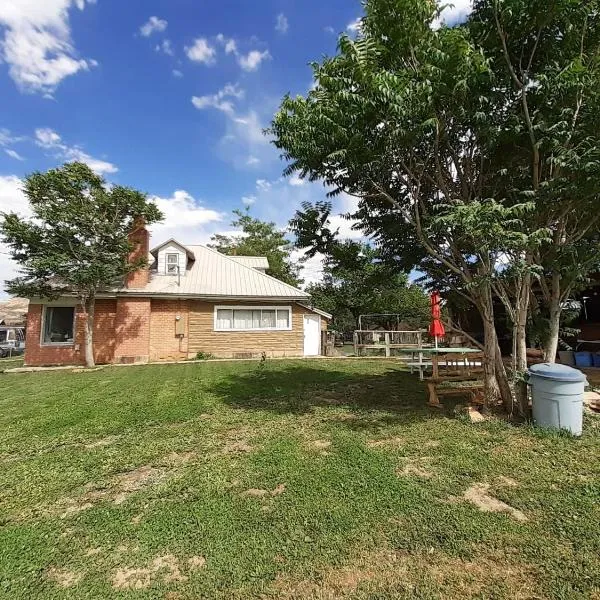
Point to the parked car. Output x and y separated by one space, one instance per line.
12 341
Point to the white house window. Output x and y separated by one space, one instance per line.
172 264
59 325
247 318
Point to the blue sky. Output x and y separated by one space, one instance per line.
168 96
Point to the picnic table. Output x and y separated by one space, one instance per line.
434 354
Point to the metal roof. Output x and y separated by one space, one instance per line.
215 275
254 262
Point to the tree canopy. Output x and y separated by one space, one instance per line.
356 282
474 152
77 239
260 238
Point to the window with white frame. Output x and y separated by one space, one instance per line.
249 318
172 264
59 325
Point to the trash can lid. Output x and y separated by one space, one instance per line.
557 372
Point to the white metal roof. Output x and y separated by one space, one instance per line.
254 262
215 275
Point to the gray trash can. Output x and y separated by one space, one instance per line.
557 396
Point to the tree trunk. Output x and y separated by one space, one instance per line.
551 345
503 381
90 306
520 332
495 379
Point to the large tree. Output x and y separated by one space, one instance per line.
356 281
77 241
429 128
260 238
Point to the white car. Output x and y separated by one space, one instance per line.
12 340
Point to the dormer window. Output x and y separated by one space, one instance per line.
171 258
172 264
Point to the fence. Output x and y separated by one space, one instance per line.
387 341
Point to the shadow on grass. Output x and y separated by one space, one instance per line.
386 397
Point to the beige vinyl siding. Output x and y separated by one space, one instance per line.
161 263
242 344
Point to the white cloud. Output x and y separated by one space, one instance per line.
177 73
281 24
252 161
229 44
218 100
243 138
186 219
455 12
165 47
248 200
202 52
37 44
251 61
312 268
153 25
329 29
14 154
7 138
354 26
263 185
46 138
276 200
295 180
50 140
12 199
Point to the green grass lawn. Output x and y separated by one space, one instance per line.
301 479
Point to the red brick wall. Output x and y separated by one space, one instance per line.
165 344
140 329
37 354
140 237
132 330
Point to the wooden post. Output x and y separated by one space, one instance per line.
387 344
434 362
420 345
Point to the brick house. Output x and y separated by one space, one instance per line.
189 299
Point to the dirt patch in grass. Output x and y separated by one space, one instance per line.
176 459
330 398
260 493
416 467
63 577
507 481
432 444
240 447
414 470
165 568
117 490
385 574
479 495
392 442
102 442
134 481
318 446
196 562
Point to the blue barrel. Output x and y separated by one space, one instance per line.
584 359
557 396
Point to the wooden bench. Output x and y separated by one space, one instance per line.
462 369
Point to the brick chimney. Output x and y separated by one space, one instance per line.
140 238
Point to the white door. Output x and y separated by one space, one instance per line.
312 335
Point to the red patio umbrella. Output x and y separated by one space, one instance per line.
436 329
